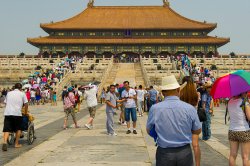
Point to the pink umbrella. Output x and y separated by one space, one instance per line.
232 84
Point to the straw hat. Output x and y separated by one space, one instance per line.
170 83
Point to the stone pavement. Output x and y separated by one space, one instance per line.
47 124
44 114
219 141
95 147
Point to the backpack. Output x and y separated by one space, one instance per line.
243 106
64 94
67 103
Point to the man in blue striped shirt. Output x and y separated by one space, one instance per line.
174 122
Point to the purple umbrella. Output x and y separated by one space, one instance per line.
35 86
232 84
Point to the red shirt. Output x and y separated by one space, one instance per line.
28 95
44 79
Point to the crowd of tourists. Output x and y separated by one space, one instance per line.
177 115
40 86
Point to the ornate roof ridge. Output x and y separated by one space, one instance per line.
166 11
179 15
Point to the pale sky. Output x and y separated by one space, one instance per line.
20 19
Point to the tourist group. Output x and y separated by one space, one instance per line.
177 113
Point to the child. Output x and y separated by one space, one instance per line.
54 99
28 114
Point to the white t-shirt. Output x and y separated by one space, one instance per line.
38 80
32 93
14 103
130 103
79 93
90 96
140 94
237 116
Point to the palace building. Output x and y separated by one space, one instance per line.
138 30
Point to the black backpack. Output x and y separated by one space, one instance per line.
64 94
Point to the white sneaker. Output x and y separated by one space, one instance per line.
124 124
87 126
114 134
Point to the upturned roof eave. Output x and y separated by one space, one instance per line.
36 42
49 29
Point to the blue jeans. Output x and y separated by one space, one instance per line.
132 112
206 129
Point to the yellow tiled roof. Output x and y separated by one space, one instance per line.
128 17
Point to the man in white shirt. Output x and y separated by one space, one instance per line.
140 99
129 95
90 96
13 114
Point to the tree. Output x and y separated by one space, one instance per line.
38 67
21 54
213 67
232 54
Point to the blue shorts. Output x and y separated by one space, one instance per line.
131 111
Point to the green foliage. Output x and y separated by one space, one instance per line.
21 54
38 67
213 67
232 54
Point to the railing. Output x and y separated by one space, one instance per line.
65 81
144 73
104 78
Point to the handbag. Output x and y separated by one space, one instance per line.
201 114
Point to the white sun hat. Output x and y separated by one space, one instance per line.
170 83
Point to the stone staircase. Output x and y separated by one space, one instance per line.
126 72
